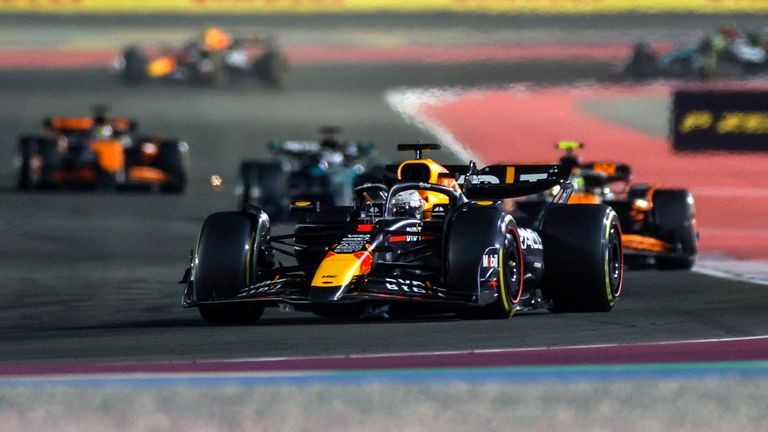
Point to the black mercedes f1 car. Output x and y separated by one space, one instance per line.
437 240
323 170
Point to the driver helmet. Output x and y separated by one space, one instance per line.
407 204
103 132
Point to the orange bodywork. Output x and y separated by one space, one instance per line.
82 174
607 168
145 174
584 198
634 241
160 67
216 39
338 269
110 155
72 123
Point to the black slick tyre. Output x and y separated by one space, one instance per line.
475 234
674 214
24 169
171 161
232 248
272 68
583 257
135 66
265 186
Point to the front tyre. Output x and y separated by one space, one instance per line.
583 257
232 249
483 256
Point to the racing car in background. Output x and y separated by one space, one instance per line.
658 225
99 152
216 58
731 52
323 171
436 240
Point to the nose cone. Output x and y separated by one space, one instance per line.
336 272
326 294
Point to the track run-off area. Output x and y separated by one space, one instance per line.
91 315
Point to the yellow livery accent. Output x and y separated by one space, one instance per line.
338 269
510 175
161 67
368 6
584 198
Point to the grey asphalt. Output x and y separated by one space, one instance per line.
92 275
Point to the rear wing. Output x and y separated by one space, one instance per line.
309 147
496 182
294 146
76 124
613 171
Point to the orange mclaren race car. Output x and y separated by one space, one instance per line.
659 225
99 152
214 58
435 240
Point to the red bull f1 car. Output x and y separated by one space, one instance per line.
659 225
99 152
435 240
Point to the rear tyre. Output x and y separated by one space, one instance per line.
36 158
25 173
473 233
674 213
135 67
232 249
265 186
272 68
643 63
583 258
171 161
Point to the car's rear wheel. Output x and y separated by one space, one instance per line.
35 158
232 249
25 165
135 65
265 186
674 213
272 68
171 161
583 257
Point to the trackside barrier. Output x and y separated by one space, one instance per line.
722 118
362 6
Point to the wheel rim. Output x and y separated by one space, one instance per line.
512 268
615 262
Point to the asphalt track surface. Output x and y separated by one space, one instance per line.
91 276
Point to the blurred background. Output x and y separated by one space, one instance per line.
90 275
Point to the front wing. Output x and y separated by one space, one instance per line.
296 290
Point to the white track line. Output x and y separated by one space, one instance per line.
407 102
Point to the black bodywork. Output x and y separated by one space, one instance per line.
322 171
469 257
